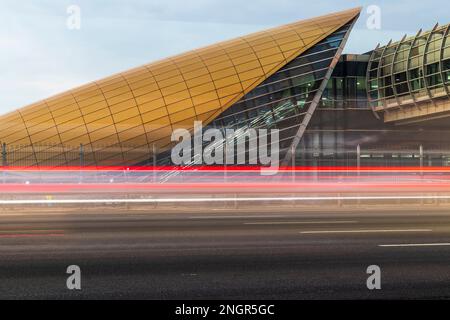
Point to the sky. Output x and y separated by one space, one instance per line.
41 56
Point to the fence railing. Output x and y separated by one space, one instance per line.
81 155
118 155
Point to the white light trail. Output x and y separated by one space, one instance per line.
298 222
224 199
415 245
366 231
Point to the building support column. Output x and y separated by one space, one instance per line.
358 157
4 163
154 161
81 155
293 162
421 159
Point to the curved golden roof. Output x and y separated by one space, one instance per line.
140 107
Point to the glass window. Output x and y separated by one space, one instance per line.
401 55
447 76
374 95
351 87
399 66
386 81
339 88
434 80
388 92
416 84
306 60
433 68
377 54
415 73
447 52
373 73
435 42
374 84
402 88
400 77
446 64
390 50
414 51
433 56
324 46
414 62
361 88
387 60
356 68
405 46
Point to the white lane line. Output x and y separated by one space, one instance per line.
31 230
415 245
366 231
184 200
236 217
298 222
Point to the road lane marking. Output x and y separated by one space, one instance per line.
237 217
30 230
366 231
30 235
415 245
298 222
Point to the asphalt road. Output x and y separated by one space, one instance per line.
226 255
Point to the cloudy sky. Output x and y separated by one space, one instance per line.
40 56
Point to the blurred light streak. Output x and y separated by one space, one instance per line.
231 199
305 187
228 168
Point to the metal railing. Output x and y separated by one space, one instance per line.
84 156
81 155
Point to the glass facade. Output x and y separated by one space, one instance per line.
346 129
282 101
410 73
345 120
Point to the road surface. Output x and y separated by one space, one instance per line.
223 254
